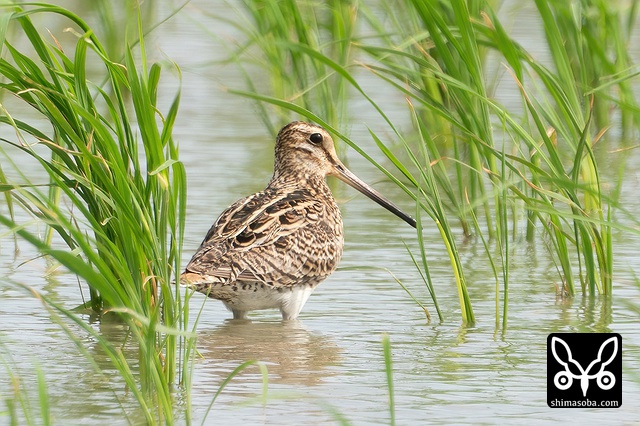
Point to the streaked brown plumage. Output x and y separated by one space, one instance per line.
272 248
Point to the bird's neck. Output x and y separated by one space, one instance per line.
298 179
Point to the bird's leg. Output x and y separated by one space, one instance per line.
286 317
238 314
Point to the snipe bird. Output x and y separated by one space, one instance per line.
271 249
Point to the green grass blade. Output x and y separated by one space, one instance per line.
388 368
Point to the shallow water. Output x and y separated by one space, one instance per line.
329 364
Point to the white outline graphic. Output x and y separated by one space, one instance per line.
564 379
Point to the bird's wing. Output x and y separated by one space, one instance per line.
268 237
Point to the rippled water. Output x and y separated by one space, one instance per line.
329 364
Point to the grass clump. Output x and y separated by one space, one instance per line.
466 156
114 198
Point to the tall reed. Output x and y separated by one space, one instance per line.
115 203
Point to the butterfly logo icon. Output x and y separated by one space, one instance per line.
564 379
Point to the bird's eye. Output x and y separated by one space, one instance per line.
316 138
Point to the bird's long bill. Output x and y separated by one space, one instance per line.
342 173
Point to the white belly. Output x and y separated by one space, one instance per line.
289 300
